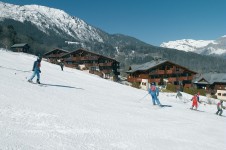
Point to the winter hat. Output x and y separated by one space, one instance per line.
39 58
153 83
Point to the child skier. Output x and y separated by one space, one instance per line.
154 92
194 102
36 70
220 108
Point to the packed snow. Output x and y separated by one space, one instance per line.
74 110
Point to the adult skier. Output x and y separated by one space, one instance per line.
154 92
36 70
220 108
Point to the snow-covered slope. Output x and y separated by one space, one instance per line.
46 19
75 110
206 47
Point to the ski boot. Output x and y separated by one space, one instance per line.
38 81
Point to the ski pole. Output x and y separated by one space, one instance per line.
142 97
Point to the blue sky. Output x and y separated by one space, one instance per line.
151 21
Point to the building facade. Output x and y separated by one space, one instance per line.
96 64
161 72
21 47
211 82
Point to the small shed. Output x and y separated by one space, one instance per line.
21 47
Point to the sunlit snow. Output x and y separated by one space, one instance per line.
74 110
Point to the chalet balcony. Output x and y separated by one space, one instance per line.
154 80
105 64
172 79
157 72
169 71
89 58
144 76
182 78
131 79
91 64
71 65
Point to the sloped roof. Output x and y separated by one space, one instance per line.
56 49
19 45
146 66
212 78
80 49
151 64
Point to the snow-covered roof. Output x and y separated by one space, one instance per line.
19 45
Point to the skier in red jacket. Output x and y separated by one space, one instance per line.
194 102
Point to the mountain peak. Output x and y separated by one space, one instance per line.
205 47
46 19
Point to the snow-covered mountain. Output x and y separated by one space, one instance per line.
74 110
47 19
205 47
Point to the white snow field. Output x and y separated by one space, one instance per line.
75 110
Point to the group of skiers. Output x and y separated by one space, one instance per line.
154 92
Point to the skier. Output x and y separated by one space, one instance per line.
61 65
154 92
179 95
194 102
220 108
198 97
36 70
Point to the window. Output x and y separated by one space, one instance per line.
219 94
143 83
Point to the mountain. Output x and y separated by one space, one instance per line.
45 28
204 47
74 110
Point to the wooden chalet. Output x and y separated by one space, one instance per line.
55 55
211 82
21 47
161 72
96 64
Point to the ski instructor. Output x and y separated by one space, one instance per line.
36 70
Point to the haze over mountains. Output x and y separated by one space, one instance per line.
45 28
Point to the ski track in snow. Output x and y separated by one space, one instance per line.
76 110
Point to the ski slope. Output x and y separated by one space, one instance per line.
75 110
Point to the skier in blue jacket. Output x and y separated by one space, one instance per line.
154 92
36 70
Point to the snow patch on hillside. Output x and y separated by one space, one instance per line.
46 18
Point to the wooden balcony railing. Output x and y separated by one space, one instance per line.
105 64
172 79
131 79
144 76
154 80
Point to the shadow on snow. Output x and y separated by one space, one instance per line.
64 86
